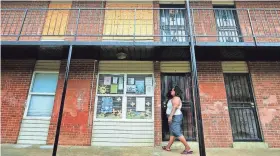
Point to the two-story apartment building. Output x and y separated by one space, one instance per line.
124 56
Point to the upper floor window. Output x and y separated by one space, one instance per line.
227 24
173 23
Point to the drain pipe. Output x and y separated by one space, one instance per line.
90 118
195 86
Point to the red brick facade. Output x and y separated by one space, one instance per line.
214 108
266 85
157 105
15 82
263 21
11 21
77 120
78 112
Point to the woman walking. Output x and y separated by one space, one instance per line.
175 118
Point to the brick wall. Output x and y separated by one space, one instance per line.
77 115
15 82
90 21
204 21
156 20
157 105
11 21
266 83
265 23
214 107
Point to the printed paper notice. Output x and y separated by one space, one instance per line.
149 90
130 81
148 81
115 80
140 104
114 89
120 86
107 80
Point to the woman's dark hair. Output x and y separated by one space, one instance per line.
178 92
169 96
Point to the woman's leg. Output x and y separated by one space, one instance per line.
171 140
184 141
180 136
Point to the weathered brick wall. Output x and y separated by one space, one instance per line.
214 107
156 21
265 23
15 82
76 124
204 22
90 21
266 83
11 21
157 105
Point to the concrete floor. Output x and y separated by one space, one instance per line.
16 150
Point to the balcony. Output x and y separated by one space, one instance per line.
139 26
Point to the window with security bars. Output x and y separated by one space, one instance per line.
227 25
173 23
242 108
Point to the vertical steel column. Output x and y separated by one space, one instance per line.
62 101
195 86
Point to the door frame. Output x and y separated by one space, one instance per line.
194 133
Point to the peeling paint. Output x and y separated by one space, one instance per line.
271 99
217 108
267 115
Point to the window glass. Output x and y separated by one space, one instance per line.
45 82
139 84
109 107
139 108
40 105
110 84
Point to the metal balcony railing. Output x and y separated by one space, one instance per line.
213 25
98 24
236 25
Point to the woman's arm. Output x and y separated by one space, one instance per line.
175 105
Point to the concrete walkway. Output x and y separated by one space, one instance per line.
16 150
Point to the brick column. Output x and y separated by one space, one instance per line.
15 82
156 21
214 107
75 129
266 85
157 105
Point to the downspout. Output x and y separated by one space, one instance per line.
90 118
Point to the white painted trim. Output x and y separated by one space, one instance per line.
52 40
37 118
30 93
36 93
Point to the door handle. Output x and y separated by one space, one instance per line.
252 104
